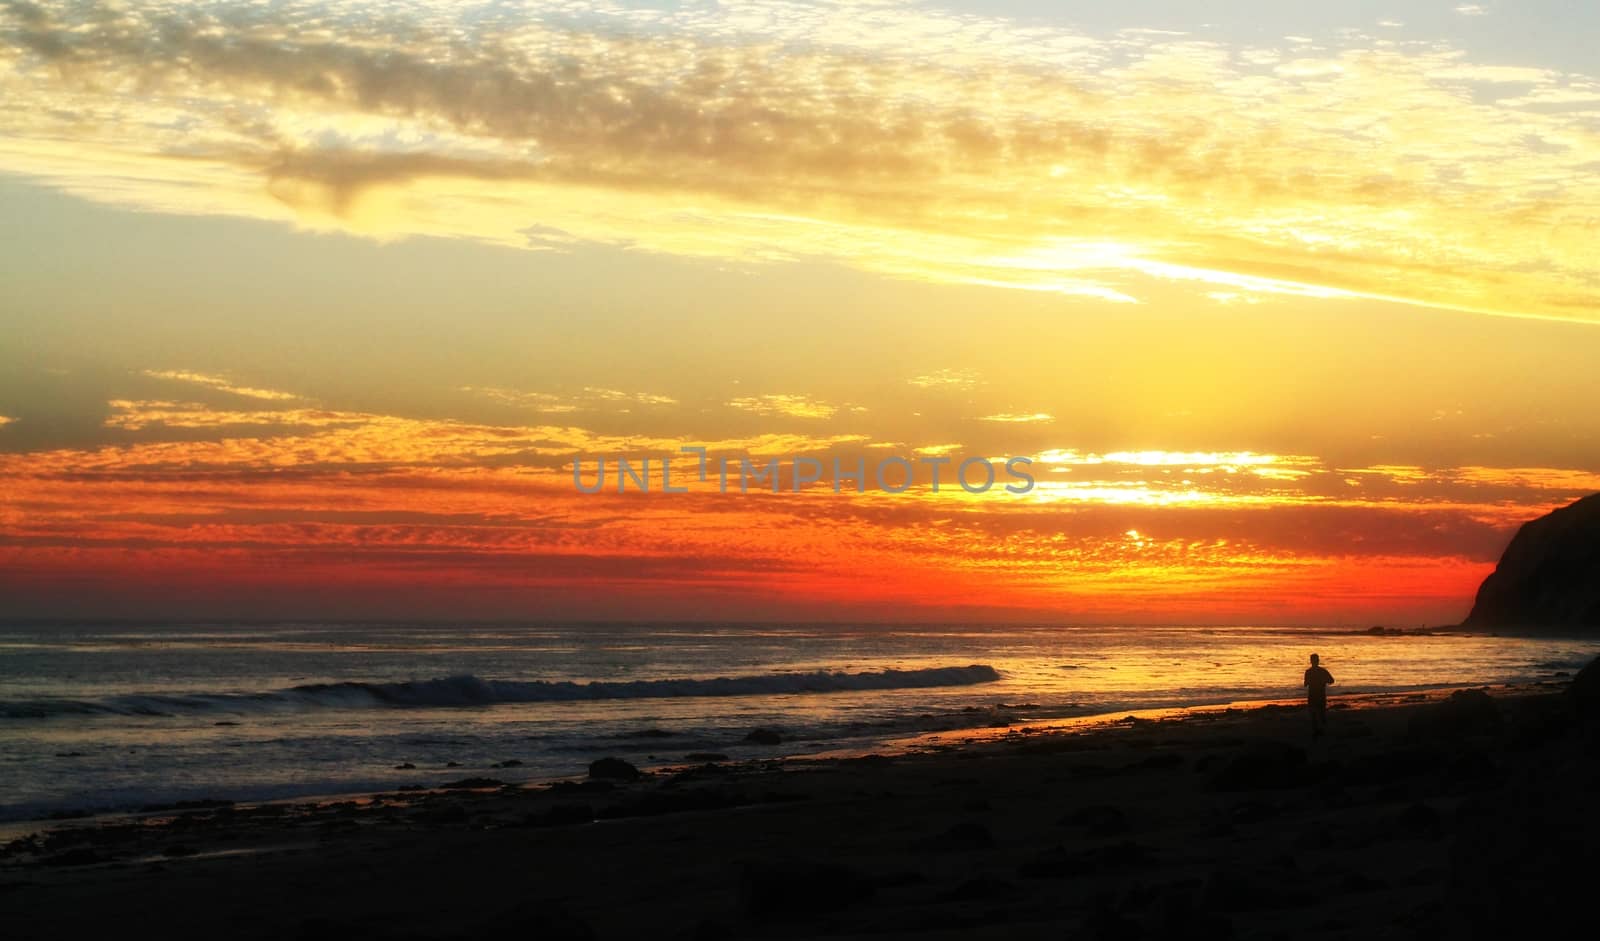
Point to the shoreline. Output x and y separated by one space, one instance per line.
1223 821
910 745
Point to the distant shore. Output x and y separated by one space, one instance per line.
1210 822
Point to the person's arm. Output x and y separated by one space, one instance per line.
1329 676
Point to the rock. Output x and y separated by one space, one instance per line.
472 784
582 787
1420 820
1235 888
979 889
561 815
764 737
705 756
613 769
795 889
963 837
1548 580
1160 761
1463 712
1265 764
81 856
508 763
548 921
405 766
657 803
1058 862
1098 820
1585 691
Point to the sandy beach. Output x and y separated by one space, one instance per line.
1425 815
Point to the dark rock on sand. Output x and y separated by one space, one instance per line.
547 921
1098 820
561 815
1420 820
763 737
582 787
81 856
472 784
1585 691
700 772
1548 580
1464 712
795 889
656 803
1059 862
963 837
1160 761
1235 888
508 763
1265 764
614 769
980 889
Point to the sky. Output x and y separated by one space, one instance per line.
307 310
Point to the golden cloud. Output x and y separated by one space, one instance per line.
893 137
219 383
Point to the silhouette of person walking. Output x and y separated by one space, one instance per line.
1317 682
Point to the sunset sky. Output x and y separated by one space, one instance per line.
306 308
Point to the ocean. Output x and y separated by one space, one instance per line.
121 717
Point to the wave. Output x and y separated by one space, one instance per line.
457 691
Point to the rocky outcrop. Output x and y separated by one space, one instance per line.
1548 580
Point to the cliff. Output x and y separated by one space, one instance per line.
1548 580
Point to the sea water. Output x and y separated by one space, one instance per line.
118 717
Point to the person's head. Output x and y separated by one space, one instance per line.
1315 660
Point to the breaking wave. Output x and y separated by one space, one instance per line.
455 691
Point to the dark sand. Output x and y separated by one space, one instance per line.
1462 818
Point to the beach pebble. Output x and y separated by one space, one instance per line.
794 889
614 769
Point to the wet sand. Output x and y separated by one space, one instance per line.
1464 815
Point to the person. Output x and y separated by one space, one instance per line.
1317 682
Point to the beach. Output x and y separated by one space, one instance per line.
1445 813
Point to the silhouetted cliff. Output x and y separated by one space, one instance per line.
1548 580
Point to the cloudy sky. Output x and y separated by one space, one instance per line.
306 309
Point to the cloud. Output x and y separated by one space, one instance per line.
347 504
962 379
1472 9
220 384
587 399
792 406
6 420
321 438
1011 418
899 139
